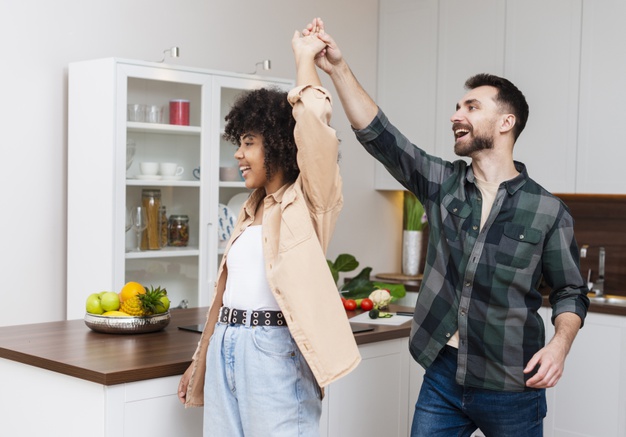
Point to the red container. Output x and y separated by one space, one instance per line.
179 112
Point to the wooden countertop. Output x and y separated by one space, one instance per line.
71 348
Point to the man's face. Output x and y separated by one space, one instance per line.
475 121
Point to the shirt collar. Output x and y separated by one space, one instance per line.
258 195
512 185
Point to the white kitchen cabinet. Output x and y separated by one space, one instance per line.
427 51
372 400
101 254
590 398
68 406
407 74
601 144
561 54
542 58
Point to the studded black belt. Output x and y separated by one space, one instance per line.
257 318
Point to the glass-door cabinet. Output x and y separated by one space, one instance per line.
145 141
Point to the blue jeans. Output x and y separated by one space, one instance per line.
445 408
258 384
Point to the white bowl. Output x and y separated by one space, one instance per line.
230 174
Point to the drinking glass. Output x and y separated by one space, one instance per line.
139 220
129 220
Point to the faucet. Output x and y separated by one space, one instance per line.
598 288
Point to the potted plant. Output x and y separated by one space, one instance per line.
412 235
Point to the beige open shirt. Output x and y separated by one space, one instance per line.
298 222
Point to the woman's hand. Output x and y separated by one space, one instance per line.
183 384
330 56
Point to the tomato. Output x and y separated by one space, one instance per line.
349 304
367 304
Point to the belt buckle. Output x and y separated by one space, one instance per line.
230 316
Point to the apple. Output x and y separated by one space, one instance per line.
110 301
166 305
93 304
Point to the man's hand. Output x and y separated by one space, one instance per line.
551 358
330 56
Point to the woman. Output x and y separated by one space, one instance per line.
276 330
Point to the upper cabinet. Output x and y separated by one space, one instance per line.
601 143
188 213
561 54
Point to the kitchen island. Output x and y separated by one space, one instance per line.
61 378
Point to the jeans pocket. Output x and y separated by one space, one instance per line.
274 341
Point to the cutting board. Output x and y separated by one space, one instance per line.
396 320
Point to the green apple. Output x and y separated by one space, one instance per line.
166 305
110 301
93 305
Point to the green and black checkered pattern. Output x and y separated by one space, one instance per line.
483 282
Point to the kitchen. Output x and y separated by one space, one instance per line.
36 207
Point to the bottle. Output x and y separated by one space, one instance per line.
178 230
163 226
151 201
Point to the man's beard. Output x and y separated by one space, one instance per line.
478 143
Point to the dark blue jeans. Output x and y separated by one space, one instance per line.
445 408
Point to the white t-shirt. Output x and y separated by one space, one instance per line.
246 283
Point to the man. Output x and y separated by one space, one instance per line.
494 234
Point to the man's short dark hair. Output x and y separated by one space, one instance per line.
509 98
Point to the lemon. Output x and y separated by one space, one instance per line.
116 314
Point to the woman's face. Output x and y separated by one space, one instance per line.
251 158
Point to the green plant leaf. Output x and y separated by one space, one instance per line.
333 270
345 263
359 286
413 213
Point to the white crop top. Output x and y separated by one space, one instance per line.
246 283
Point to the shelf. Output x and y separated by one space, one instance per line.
157 183
172 129
166 252
237 184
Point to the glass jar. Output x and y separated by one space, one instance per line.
151 201
163 226
178 230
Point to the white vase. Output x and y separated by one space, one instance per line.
411 252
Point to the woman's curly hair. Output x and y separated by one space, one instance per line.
267 112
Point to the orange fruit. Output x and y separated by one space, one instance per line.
130 290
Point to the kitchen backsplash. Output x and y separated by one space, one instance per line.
600 221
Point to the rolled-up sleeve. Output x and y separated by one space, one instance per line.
318 146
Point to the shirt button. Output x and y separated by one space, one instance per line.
475 227
467 284
455 209
521 237
448 335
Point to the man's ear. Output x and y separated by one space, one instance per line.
507 123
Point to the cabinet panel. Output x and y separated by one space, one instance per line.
590 398
602 148
407 73
471 41
372 400
542 58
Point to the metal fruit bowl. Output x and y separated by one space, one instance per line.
127 325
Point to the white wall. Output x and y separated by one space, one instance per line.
40 38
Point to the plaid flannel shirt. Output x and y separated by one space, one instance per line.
483 282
